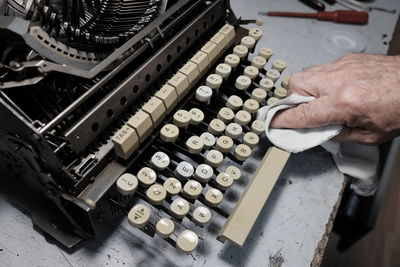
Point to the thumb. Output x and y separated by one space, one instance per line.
312 114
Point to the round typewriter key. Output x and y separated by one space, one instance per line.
258 62
213 197
251 72
184 170
242 152
251 106
182 118
203 173
146 176
127 184
233 130
173 186
242 82
272 100
256 33
279 65
242 117
179 208
194 145
234 172
265 52
223 70
280 93
234 102
187 241
201 215
214 81
248 42
251 139
160 160
241 51
273 74
214 158
285 81
192 189
259 95
224 144
156 194
225 114
224 181
165 227
266 84
258 127
216 126
232 60
169 133
197 116
139 215
208 139
204 94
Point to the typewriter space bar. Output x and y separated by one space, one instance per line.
244 215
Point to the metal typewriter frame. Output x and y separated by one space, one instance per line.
27 155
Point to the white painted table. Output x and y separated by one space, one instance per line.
295 218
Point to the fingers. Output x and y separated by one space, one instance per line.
357 135
313 114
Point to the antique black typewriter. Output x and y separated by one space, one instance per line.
145 108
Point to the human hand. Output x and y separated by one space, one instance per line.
361 92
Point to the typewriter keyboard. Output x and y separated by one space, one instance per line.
204 117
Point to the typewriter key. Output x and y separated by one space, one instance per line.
265 53
160 160
204 94
259 95
242 82
241 51
169 133
184 170
242 117
224 181
213 197
127 184
258 62
258 127
192 189
248 42
139 215
280 93
272 100
232 60
234 172
165 227
242 152
197 116
233 130
208 139
223 70
251 72
146 176
251 139
266 84
203 173
187 241
156 194
251 106
182 118
256 33
214 81
279 65
179 208
195 145
224 144
285 81
214 158
173 186
216 126
234 102
201 215
272 74
225 114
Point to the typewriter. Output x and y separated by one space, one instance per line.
137 110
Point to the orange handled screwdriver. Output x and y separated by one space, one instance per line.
338 16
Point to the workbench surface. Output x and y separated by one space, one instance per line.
293 227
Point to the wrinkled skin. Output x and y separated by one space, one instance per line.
361 92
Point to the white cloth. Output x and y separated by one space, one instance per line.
358 161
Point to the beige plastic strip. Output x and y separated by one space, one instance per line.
244 215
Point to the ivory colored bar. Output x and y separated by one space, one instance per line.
244 215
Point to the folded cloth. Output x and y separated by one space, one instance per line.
355 160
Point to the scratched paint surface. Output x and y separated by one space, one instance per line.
294 218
